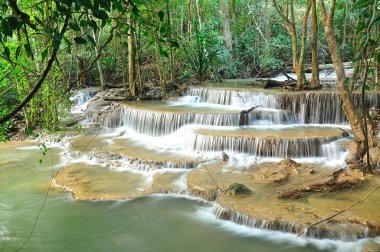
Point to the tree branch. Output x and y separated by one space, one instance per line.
25 18
99 54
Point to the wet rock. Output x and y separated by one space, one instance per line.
236 189
225 157
289 163
371 246
374 156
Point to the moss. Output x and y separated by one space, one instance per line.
238 189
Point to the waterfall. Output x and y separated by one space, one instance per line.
83 96
330 231
157 123
306 107
333 150
243 98
262 147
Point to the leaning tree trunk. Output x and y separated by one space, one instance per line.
349 107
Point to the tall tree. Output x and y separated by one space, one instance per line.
226 26
131 58
350 109
314 45
289 23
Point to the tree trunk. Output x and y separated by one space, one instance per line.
138 60
349 107
233 10
314 45
289 23
303 45
188 20
171 56
162 82
226 26
131 59
99 65
297 68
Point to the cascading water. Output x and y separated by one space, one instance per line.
262 147
312 107
207 122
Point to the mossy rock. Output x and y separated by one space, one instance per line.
236 189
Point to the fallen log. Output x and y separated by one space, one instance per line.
244 116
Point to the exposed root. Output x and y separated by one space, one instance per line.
329 186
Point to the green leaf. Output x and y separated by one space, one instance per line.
44 53
13 22
7 52
87 3
80 40
74 26
83 23
100 14
174 44
161 15
28 50
68 43
163 53
6 29
366 87
362 3
39 21
18 51
93 25
91 40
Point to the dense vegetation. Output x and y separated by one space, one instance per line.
49 47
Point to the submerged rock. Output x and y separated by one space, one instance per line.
238 189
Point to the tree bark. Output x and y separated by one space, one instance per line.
226 26
171 56
99 65
314 45
131 59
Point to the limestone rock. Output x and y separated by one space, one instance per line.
225 157
374 155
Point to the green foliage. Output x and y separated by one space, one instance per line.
201 53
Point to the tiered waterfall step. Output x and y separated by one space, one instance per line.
314 107
129 154
282 142
162 118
